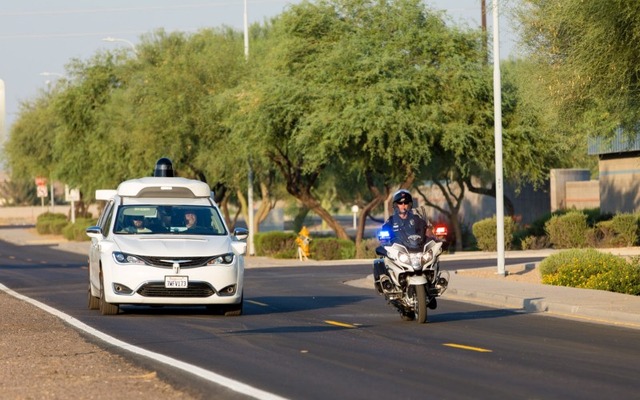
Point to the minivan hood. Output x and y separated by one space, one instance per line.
173 246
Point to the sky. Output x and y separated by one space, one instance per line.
39 37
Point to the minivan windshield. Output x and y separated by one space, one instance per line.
163 219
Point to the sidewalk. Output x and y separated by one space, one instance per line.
581 304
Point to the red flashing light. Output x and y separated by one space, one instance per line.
440 230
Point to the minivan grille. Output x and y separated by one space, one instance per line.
195 289
169 261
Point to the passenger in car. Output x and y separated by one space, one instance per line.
138 225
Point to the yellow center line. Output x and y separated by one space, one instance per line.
463 347
342 324
257 303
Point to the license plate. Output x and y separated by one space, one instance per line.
176 282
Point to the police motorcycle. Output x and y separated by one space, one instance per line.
410 281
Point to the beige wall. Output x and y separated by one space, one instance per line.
620 184
558 185
582 194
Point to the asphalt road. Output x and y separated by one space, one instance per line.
307 335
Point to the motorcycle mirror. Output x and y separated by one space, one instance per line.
381 251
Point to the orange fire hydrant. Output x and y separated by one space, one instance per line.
302 241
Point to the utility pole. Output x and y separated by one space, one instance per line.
483 18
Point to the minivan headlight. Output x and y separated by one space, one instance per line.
222 259
124 258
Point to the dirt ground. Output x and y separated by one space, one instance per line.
43 358
521 273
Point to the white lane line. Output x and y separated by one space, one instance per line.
192 369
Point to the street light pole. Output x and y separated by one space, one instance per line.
59 75
250 223
497 120
112 39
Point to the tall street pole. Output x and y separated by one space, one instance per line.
250 223
497 117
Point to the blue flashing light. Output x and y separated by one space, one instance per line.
384 235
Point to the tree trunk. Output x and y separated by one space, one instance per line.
299 185
378 198
266 205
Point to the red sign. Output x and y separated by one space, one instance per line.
41 181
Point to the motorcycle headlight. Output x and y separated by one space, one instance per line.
415 261
427 257
404 258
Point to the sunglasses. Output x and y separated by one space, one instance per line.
404 202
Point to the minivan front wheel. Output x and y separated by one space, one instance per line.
106 308
93 301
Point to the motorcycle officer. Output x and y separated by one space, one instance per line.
406 228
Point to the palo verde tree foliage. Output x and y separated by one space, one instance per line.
587 59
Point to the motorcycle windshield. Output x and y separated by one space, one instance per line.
414 243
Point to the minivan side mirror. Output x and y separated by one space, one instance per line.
241 233
94 232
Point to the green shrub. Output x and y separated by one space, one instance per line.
276 244
332 249
534 242
51 223
552 264
485 233
568 230
625 228
625 279
620 231
591 269
602 235
76 231
594 216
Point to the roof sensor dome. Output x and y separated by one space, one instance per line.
164 168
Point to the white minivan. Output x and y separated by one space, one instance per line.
162 241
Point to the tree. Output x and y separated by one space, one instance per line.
28 148
351 80
586 57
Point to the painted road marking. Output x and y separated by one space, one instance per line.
341 324
257 303
463 347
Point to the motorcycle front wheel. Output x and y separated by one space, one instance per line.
420 301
